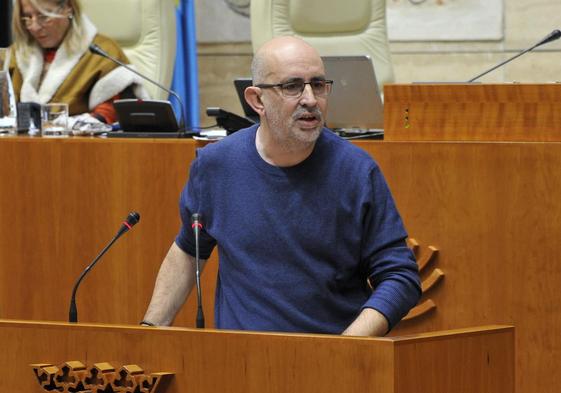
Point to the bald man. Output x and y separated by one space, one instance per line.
308 235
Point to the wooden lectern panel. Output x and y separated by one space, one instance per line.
490 209
472 112
207 361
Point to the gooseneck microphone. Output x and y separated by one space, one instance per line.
98 51
197 226
554 35
130 221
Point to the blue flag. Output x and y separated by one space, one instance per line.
185 74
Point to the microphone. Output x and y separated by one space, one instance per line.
130 221
98 51
554 35
197 226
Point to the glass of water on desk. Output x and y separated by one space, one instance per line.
54 120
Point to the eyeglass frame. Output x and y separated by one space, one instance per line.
281 86
42 19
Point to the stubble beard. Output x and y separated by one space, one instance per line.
290 136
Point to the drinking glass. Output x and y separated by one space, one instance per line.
54 120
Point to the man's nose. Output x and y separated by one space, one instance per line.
308 96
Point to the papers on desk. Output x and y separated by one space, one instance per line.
7 122
211 135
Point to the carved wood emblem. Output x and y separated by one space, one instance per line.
73 376
424 260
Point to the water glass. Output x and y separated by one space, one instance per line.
54 120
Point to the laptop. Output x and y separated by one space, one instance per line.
355 103
241 84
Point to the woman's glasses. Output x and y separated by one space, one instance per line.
42 20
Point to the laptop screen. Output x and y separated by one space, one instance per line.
355 102
241 84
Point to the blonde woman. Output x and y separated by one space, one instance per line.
51 61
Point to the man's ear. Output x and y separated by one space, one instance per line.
252 96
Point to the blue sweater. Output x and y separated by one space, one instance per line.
297 245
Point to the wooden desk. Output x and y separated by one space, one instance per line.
206 361
491 209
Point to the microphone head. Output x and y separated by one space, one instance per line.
97 50
133 218
554 35
196 218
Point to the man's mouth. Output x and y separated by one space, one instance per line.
309 120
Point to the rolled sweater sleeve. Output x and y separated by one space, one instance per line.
390 264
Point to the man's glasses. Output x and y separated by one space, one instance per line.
41 19
294 89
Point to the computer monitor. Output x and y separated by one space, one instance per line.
241 84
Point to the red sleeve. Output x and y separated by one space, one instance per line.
106 111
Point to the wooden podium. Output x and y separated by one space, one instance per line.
476 360
472 112
490 207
